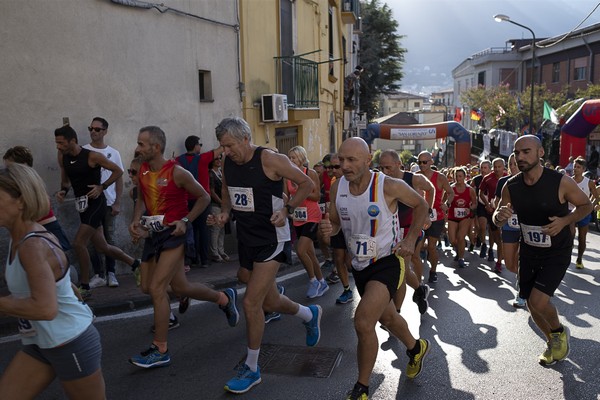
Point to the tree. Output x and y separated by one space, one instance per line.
381 55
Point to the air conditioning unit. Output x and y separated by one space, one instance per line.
274 108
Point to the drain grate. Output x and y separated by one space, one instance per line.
316 362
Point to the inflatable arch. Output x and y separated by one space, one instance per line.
574 133
462 137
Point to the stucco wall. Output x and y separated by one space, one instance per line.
134 67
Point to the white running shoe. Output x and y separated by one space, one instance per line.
97 281
112 280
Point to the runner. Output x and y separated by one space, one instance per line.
459 214
364 205
163 186
253 191
485 167
487 192
546 237
59 340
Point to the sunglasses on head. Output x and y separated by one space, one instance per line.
132 172
333 166
95 129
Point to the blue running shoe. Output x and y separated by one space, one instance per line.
244 380
323 287
313 289
230 310
345 297
151 358
313 327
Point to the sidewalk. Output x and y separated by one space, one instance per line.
128 297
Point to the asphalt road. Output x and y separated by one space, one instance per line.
483 348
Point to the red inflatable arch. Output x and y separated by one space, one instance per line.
574 133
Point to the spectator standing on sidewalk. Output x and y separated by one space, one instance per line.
546 237
253 191
98 130
217 233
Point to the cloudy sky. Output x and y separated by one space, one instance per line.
440 34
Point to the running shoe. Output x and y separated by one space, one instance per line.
224 257
313 289
560 344
578 265
173 324
136 264
519 302
546 357
313 327
345 297
461 263
112 280
483 251
97 281
446 241
415 364
323 287
280 289
272 316
490 255
230 310
471 247
151 358
498 267
357 393
327 264
184 303
244 380
433 277
420 297
333 278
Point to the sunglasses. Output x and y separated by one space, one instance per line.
95 129
333 167
422 161
132 172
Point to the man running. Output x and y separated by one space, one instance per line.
364 205
540 197
487 193
163 188
253 190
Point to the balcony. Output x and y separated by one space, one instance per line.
350 11
298 78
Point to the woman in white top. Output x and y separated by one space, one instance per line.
589 188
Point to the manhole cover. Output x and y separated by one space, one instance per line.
317 362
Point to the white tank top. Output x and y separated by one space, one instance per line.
370 228
584 185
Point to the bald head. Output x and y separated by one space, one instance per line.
531 141
356 146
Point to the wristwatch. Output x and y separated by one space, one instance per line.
185 220
290 209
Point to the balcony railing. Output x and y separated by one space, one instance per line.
350 11
298 78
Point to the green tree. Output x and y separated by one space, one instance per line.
381 55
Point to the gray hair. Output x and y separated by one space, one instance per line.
237 127
157 136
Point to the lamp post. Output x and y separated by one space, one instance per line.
506 18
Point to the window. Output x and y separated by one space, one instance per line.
555 72
417 104
481 79
580 73
204 86
331 41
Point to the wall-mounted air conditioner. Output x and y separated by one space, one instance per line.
274 108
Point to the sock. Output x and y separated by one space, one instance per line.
346 288
361 388
322 282
171 316
560 329
252 359
415 350
85 286
162 346
304 313
313 279
223 299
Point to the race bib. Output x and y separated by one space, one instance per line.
81 203
461 212
364 247
300 214
433 215
533 236
153 222
242 199
513 221
25 328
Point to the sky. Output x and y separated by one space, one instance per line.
440 34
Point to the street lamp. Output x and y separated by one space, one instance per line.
502 18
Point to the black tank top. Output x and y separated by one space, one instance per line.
534 205
80 173
254 197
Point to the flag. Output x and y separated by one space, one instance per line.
457 114
501 113
475 115
550 113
